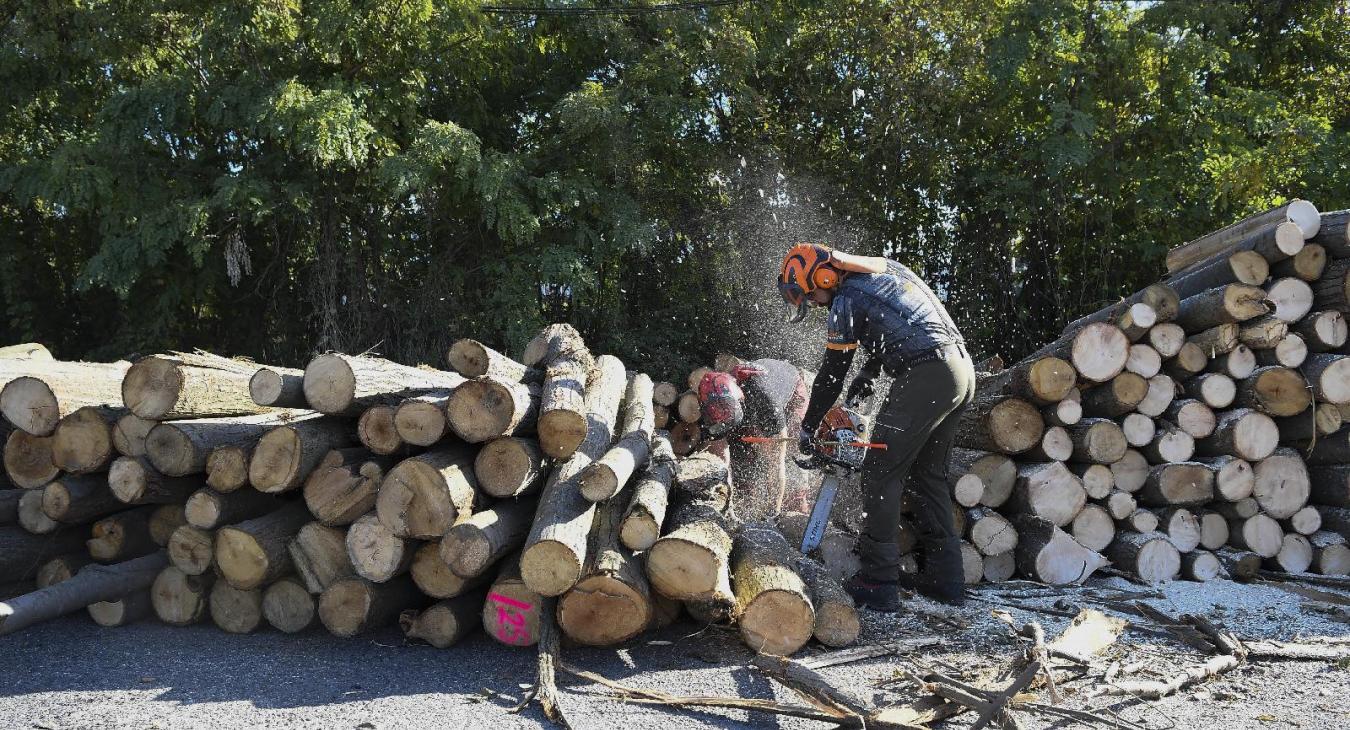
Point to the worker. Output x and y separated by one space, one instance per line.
760 398
887 310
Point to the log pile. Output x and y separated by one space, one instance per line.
357 493
1194 425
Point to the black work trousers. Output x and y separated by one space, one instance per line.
917 423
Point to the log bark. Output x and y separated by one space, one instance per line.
1239 564
278 387
445 623
1233 477
510 467
1048 491
343 486
288 607
351 607
1159 297
121 612
252 553
1331 553
9 506
234 610
178 448
1003 424
93 584
1239 510
1186 484
1307 265
1258 534
1130 471
1046 553
60 568
511 612
473 359
82 442
1330 484
1093 528
1334 449
1225 267
1282 484
192 551
775 613
1269 233
28 460
1292 299
207 509
1323 331
433 575
486 408
227 467
286 455
1263 333
1041 380
122 536
1231 303
651 493
346 385
136 481
37 394
1149 556
319 554
376 552
164 520
129 434
420 420
562 423
1332 291
555 551
686 562
376 431
424 495
1098 351
837 624
1217 340
1333 234
189 385
474 545
181 599
1115 398
990 532
1243 433
604 478
77 499
612 601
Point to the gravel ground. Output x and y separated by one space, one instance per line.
72 674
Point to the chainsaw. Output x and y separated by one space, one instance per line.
841 440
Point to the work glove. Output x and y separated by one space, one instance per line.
806 442
860 389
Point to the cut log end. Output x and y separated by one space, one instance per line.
602 611
550 568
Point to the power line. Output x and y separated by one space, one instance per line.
615 10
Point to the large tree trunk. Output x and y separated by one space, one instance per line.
612 602
136 481
353 606
420 420
287 454
28 460
181 599
343 486
446 623
1049 491
288 607
319 554
1149 556
1098 351
1333 234
1003 424
511 611
1282 484
1241 432
1115 398
1276 234
122 536
22 553
775 612
424 495
1047 554
555 551
376 552
604 478
346 385
1226 267
278 387
183 385
208 509
253 553
37 394
486 408
1187 484
82 442
1227 304
562 410
686 562
27 351
1042 380
77 499
93 584
473 359
472 546
647 509
510 467
178 448
236 610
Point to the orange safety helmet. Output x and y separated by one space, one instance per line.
806 268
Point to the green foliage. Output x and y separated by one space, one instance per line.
273 178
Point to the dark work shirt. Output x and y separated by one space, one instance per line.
893 316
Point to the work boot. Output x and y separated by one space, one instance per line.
881 596
943 576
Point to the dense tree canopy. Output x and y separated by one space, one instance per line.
276 177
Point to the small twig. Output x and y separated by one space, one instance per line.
1042 657
999 703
